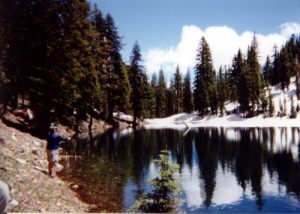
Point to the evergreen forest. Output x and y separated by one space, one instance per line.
62 59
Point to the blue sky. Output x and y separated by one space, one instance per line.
159 24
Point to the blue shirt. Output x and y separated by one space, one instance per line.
53 141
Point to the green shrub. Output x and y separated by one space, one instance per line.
162 198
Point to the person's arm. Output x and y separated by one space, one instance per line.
61 139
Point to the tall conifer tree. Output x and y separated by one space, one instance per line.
170 99
152 94
285 68
178 90
253 73
161 95
138 80
267 70
187 94
205 81
221 85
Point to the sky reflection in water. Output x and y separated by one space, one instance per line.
221 170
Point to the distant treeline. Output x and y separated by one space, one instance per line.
62 59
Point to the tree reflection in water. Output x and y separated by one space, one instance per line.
116 163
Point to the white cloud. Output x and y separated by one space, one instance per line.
224 43
290 28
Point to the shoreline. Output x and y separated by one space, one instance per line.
23 165
23 162
181 121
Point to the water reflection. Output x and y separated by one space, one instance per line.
221 169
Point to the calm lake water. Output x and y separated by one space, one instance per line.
221 169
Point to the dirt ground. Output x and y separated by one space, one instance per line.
23 165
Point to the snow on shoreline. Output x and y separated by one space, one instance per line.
181 121
233 120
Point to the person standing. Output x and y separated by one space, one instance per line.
53 143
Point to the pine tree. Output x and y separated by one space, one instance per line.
170 99
235 75
213 95
16 44
178 90
264 104
103 57
116 84
291 47
162 198
161 95
51 58
271 108
255 82
187 94
275 72
152 101
32 56
285 69
81 88
267 71
138 81
205 81
239 82
221 85
147 99
244 92
227 82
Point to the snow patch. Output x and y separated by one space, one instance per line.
179 121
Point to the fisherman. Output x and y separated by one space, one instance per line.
53 142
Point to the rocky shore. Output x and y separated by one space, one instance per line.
23 165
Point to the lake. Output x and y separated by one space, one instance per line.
221 169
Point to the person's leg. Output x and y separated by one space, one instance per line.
53 172
51 161
54 162
50 169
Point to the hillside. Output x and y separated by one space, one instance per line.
233 120
23 165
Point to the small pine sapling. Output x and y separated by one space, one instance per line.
162 198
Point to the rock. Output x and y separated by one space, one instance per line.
21 161
74 186
36 143
14 202
59 167
22 150
14 137
3 168
35 152
38 168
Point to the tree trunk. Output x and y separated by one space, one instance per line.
90 123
